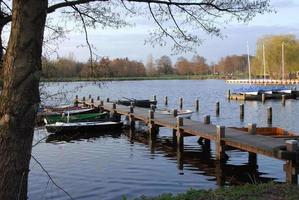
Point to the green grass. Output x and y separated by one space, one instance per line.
268 191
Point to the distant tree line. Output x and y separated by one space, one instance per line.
229 66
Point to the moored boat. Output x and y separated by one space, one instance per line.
75 117
181 113
145 103
80 127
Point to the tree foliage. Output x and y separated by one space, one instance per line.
273 55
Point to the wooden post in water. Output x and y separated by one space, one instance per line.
207 119
175 112
263 98
108 100
228 94
131 117
283 100
114 106
220 134
269 115
217 108
166 101
89 96
242 111
252 158
197 105
154 97
181 103
179 133
290 165
98 98
101 103
151 124
76 102
83 99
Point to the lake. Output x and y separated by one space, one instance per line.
116 164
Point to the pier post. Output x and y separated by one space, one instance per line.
114 106
154 97
217 108
290 165
152 127
228 94
263 98
175 112
220 172
131 117
242 111
101 103
92 103
207 119
197 105
166 101
179 133
269 115
252 157
220 134
89 96
83 99
98 98
76 102
283 100
108 100
181 103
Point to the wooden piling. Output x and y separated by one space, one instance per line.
152 127
83 99
114 106
89 96
181 103
76 102
108 100
263 98
166 100
131 117
179 133
269 115
131 109
252 157
101 103
175 112
217 108
220 134
290 165
228 94
242 111
98 98
197 105
207 119
91 100
283 100
154 97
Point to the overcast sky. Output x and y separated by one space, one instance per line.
129 42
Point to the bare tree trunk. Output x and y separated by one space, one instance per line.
20 96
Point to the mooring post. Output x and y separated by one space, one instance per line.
154 97
108 100
220 134
101 103
181 103
197 105
179 133
241 111
76 102
217 108
290 165
166 100
283 100
91 102
114 106
252 158
83 99
228 94
207 119
220 172
263 98
89 96
175 112
98 98
269 115
151 124
131 117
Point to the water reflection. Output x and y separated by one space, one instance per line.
199 160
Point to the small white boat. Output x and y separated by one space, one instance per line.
181 113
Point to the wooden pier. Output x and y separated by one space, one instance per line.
222 136
264 82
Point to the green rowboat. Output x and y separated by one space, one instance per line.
87 117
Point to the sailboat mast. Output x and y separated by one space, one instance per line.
249 67
264 61
282 60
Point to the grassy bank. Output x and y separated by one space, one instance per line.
268 191
166 77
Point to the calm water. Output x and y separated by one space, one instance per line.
108 166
